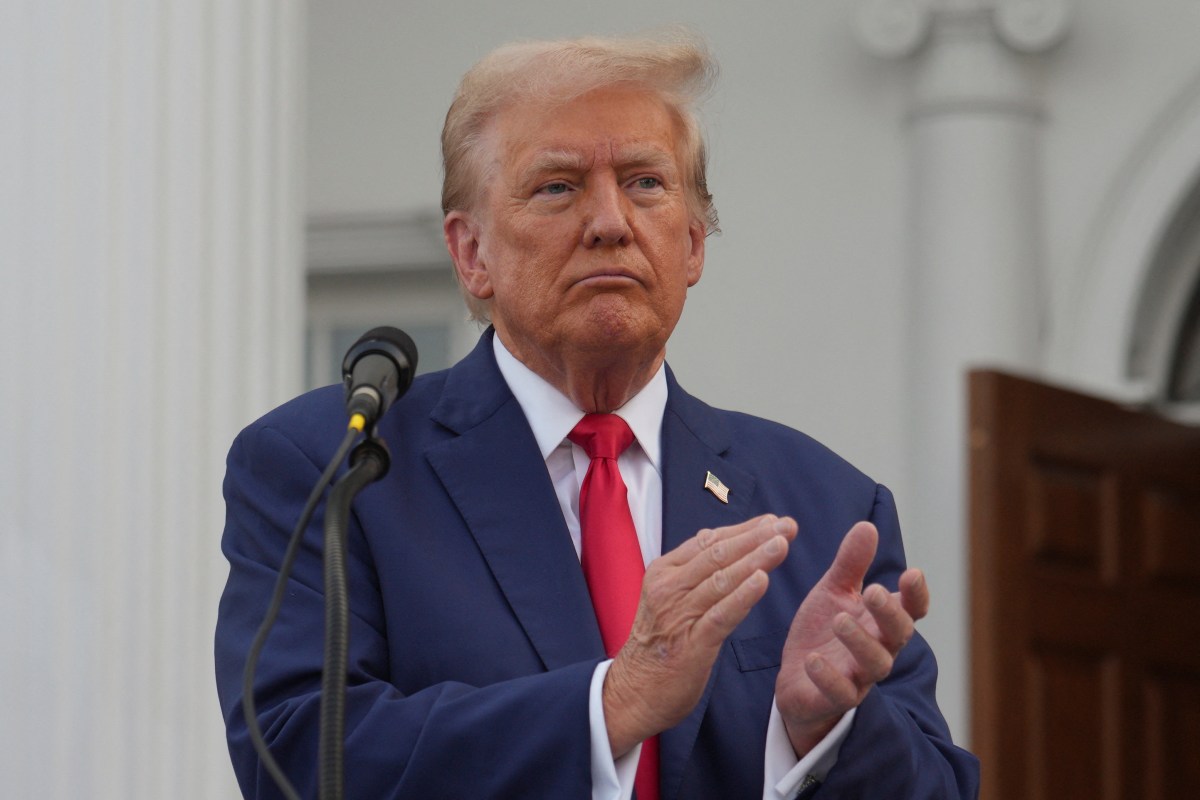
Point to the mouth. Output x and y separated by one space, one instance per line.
608 278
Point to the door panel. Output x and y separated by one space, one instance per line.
1085 592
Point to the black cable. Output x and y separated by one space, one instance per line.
369 462
264 630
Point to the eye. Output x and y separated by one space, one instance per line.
555 188
648 183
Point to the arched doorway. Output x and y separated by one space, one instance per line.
1131 329
1164 352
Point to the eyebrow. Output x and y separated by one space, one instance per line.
554 161
633 155
645 155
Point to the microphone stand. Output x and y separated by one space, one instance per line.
369 461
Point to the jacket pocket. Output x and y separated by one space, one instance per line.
760 652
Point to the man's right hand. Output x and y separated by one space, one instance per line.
692 598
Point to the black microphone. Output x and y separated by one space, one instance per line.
377 369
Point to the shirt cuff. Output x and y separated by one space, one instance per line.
784 774
611 779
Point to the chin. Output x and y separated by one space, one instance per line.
624 343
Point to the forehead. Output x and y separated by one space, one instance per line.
618 123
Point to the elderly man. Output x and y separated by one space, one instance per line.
505 642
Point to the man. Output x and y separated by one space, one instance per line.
752 663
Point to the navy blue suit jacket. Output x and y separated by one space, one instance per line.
473 639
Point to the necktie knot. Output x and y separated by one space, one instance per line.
602 435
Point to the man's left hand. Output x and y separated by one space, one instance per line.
844 640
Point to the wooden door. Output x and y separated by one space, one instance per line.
1085 596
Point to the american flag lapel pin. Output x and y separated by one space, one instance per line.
714 485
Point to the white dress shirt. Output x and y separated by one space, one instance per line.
552 416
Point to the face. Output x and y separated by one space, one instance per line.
582 239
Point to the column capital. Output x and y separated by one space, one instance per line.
900 28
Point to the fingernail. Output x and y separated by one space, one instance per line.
782 527
876 598
774 546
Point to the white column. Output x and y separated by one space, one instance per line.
150 234
974 261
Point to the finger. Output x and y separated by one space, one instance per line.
728 546
872 658
838 689
720 583
727 613
914 593
894 622
854 556
708 538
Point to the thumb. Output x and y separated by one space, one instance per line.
854 557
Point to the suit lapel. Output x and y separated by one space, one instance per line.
496 476
695 439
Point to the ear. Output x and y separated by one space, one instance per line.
462 240
695 262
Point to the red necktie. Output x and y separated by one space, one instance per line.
610 553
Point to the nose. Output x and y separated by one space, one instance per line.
606 222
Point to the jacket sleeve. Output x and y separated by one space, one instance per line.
899 745
522 737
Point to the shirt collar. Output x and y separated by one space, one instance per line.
552 415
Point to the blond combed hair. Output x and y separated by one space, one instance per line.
673 63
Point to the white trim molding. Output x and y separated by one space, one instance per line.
900 28
376 242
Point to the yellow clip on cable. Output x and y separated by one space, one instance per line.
358 422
